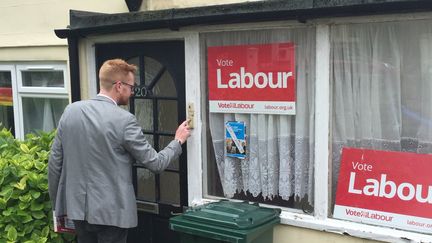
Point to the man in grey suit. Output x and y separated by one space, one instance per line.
90 166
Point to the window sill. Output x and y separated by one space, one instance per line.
353 229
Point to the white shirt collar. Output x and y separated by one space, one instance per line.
106 96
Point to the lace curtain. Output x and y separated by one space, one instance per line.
382 87
42 113
280 157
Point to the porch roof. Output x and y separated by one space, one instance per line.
89 23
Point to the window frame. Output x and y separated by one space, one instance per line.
281 26
41 67
321 218
19 91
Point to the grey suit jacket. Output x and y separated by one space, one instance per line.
90 166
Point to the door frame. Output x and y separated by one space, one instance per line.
194 91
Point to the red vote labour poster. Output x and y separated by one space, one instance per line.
385 188
256 79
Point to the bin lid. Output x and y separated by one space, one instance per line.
235 215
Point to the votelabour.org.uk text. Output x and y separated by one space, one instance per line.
366 214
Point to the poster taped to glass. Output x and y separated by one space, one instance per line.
235 139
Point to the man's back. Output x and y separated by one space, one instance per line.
97 168
99 141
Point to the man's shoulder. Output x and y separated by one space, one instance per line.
74 105
77 104
91 104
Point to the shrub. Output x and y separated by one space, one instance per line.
26 213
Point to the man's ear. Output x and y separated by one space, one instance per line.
116 86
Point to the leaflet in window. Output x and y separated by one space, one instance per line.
235 139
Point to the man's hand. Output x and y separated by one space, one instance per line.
183 132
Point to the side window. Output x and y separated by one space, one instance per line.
32 97
381 80
42 95
274 164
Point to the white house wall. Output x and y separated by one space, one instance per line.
30 53
32 22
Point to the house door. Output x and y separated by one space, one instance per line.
159 106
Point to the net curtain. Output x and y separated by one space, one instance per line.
382 85
280 157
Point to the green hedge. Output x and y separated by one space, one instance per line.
26 214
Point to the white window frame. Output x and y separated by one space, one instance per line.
19 91
42 67
196 145
320 219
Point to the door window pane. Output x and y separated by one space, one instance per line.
167 116
165 86
42 113
170 188
144 113
151 69
6 102
146 185
135 61
42 78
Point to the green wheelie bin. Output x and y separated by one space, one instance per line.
226 221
